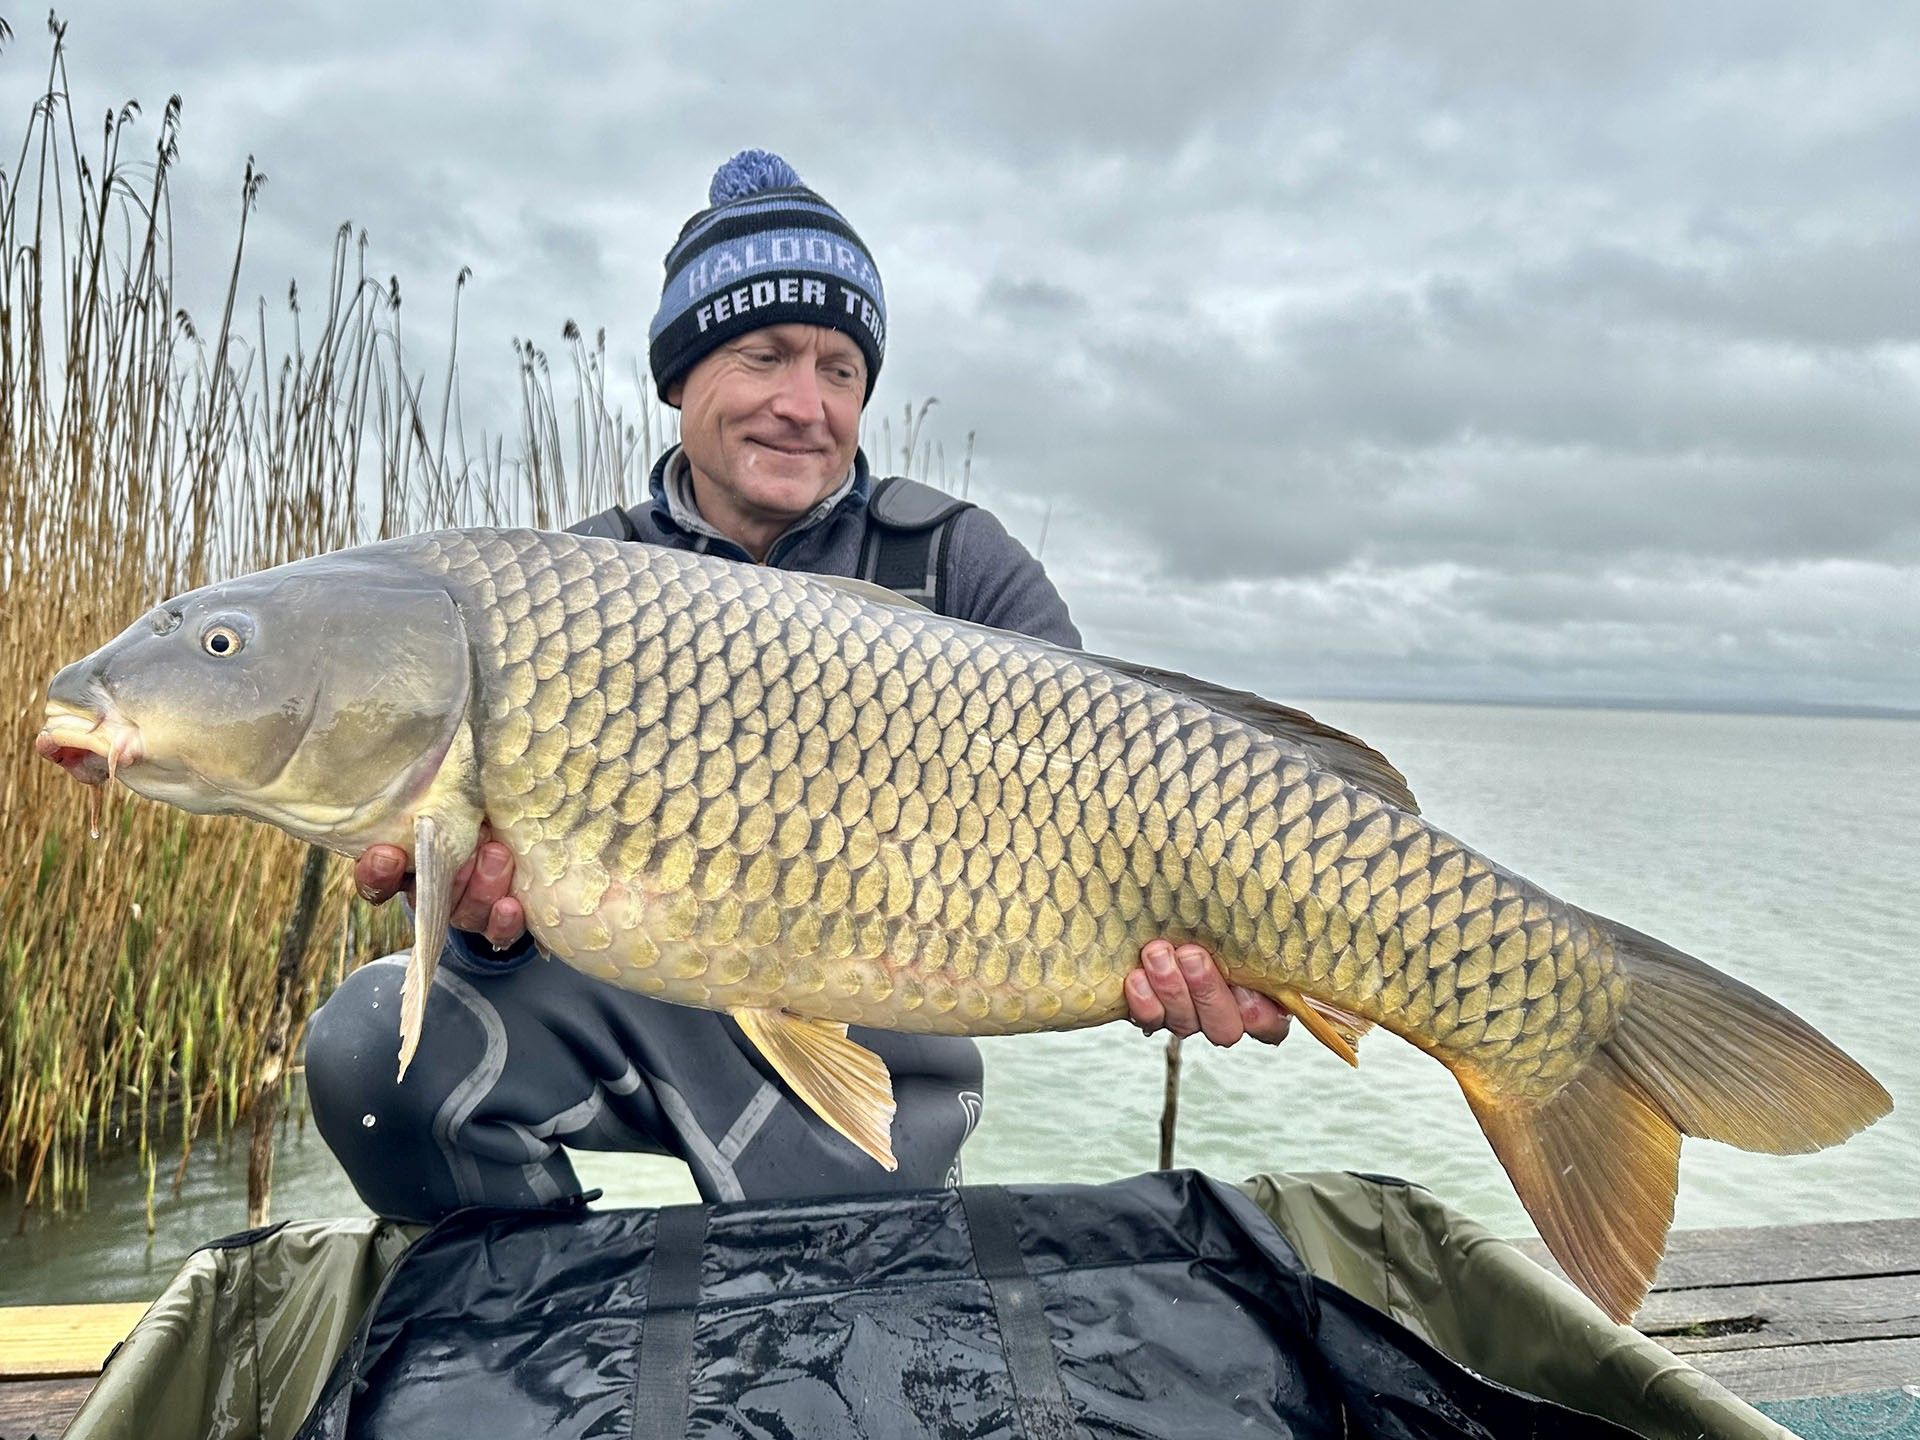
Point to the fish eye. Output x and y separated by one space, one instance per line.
220 641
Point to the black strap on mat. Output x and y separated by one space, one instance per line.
1024 1332
666 1339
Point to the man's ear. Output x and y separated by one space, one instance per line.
675 391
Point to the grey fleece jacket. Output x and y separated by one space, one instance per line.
991 579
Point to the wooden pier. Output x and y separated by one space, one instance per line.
1786 1312
49 1357
1776 1314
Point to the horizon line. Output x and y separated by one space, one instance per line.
1813 709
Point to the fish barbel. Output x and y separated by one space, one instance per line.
801 801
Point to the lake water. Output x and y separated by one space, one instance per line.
1780 849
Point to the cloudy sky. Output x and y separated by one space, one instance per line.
1491 350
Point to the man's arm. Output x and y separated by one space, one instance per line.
993 580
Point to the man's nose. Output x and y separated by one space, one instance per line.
797 396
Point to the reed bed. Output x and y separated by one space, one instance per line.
141 453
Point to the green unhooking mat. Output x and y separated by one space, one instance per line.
1056 1303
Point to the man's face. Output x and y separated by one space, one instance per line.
771 420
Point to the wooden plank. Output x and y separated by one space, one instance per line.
39 1408
46 1341
1806 1312
1828 1250
1792 1372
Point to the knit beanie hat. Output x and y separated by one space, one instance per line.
766 251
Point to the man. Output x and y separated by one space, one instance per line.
769 337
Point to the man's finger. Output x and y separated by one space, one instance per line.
468 911
506 924
492 872
1213 1003
378 873
1170 987
1265 1021
1143 1006
489 880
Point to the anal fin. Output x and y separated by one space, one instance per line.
1337 1029
844 1083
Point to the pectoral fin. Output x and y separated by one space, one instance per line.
845 1083
438 851
1339 1030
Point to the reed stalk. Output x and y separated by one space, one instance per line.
141 455
1170 1103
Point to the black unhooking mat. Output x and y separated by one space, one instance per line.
1163 1306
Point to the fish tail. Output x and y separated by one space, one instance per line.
1694 1052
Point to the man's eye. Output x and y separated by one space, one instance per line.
760 357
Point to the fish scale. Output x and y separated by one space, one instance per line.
800 801
956 832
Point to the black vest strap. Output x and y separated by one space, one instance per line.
909 534
666 1337
1024 1332
612 523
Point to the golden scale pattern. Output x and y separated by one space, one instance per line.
732 786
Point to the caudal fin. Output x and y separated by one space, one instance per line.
1695 1052
1726 1063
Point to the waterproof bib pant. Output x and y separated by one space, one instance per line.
518 1063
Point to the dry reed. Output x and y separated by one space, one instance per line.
141 455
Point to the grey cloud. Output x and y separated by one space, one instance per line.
1030 299
1400 348
1814 634
1219 461
566 247
1842 293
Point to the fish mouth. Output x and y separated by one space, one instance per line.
92 748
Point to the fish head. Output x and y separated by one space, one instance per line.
320 697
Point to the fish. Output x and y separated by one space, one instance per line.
806 803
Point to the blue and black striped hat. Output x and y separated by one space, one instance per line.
766 251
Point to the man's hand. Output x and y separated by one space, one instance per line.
482 900
1183 991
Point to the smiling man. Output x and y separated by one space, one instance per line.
779 412
769 337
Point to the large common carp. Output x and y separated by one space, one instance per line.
805 803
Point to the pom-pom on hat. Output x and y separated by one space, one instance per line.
765 251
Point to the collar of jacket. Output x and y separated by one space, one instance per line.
671 488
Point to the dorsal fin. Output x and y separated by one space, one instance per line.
1347 756
867 590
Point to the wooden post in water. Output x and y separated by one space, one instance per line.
273 1047
1170 1107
